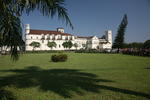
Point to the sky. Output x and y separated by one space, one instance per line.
93 17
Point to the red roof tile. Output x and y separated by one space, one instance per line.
87 37
39 32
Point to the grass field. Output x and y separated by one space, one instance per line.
82 77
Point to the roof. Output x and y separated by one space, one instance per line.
39 32
87 37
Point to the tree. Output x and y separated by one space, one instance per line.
34 44
67 44
137 45
119 39
103 37
75 45
84 46
146 44
70 44
10 14
51 44
1 43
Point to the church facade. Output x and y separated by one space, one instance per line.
59 37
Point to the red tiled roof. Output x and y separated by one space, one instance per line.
39 32
88 37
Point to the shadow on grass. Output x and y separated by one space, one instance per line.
147 68
6 95
60 81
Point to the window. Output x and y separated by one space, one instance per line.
42 41
43 37
66 38
59 37
36 37
54 38
31 37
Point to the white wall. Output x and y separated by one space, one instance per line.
93 42
37 38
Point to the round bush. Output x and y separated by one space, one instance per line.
59 58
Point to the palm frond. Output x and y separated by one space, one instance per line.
10 24
11 31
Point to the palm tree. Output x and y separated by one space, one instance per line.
51 44
10 23
35 44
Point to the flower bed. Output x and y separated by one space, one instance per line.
136 52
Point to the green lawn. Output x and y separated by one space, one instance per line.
82 77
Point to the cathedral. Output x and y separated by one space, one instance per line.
59 36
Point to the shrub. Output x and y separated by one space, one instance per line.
59 58
87 51
92 51
44 51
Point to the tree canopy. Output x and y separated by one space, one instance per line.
133 45
119 39
146 44
10 23
75 45
35 44
67 44
51 44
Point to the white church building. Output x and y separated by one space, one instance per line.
59 36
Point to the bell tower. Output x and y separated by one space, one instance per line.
60 30
27 28
108 35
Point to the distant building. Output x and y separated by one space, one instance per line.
59 36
